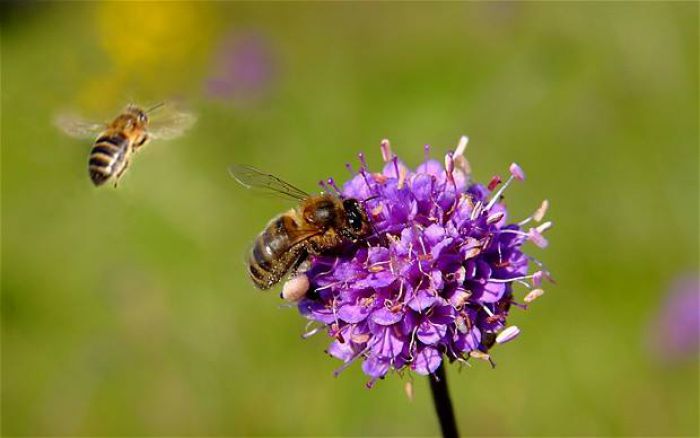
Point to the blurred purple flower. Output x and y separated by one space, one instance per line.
243 68
435 279
675 331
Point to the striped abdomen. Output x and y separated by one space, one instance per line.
108 157
273 253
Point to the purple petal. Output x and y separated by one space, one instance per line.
492 292
430 334
422 300
384 316
427 361
353 313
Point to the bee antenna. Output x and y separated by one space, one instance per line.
155 107
369 199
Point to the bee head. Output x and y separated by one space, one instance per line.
139 117
358 224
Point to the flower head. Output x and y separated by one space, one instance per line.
437 276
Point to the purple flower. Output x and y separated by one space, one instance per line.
438 276
675 331
243 68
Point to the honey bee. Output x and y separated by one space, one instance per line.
118 140
320 223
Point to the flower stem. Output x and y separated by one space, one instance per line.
443 404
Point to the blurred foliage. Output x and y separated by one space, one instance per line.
128 311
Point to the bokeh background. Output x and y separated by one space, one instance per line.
128 312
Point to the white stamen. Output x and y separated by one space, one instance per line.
539 214
462 146
508 334
544 226
386 150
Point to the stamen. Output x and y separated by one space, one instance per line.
508 334
461 161
533 295
426 151
538 239
517 172
323 186
385 147
496 196
396 167
461 146
494 218
342 368
363 161
348 166
331 182
537 278
539 214
478 354
544 226
408 388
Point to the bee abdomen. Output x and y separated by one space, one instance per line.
106 157
272 255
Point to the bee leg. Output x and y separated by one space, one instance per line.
121 172
141 142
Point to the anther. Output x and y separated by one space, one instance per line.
508 334
385 147
533 295
517 172
539 214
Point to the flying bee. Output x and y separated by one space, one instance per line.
117 141
319 223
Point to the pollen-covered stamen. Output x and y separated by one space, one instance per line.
385 146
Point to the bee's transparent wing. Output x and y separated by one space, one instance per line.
171 124
253 178
77 127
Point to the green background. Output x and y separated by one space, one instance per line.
128 311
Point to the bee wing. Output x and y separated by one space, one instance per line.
76 126
252 178
170 125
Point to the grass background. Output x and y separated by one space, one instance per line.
128 312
